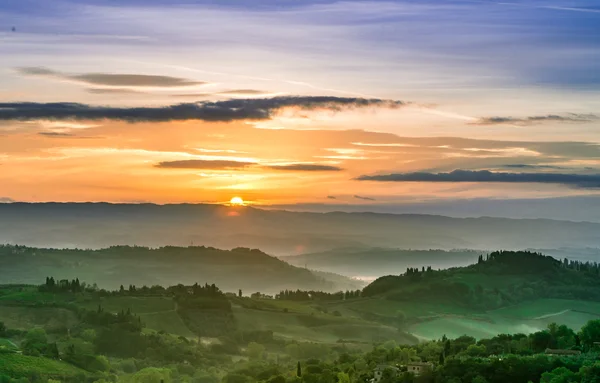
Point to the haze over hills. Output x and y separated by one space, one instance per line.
368 263
97 225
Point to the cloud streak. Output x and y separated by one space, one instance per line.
571 117
364 198
575 180
218 111
113 80
204 164
306 168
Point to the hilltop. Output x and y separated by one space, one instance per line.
98 225
503 292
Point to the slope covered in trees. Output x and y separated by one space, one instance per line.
496 280
235 269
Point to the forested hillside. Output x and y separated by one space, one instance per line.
235 269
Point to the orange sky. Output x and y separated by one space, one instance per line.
474 99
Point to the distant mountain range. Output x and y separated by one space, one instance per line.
277 232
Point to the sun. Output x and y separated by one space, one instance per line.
237 201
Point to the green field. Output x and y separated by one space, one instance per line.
137 305
546 307
24 318
523 318
315 328
17 365
167 321
8 345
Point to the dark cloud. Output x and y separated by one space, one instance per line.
576 180
229 110
364 198
204 164
571 117
331 197
56 134
113 80
306 168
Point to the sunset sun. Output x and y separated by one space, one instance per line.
237 201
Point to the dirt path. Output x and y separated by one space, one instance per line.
552 315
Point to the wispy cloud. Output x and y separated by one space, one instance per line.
572 117
364 198
306 168
576 180
204 164
56 134
125 80
230 110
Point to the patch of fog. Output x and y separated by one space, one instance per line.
365 278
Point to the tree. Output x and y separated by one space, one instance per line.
3 329
152 375
36 342
343 377
240 293
255 350
590 333
299 370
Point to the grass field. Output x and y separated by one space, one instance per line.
522 318
545 307
167 321
137 305
7 345
314 328
24 318
17 365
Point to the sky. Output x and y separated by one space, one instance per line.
371 104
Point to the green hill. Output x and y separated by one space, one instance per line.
240 268
17 366
504 292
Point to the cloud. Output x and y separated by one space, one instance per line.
233 92
229 110
112 91
331 197
306 168
364 198
571 117
204 164
113 80
529 166
56 134
576 180
6 200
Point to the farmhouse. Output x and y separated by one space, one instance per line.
418 368
379 370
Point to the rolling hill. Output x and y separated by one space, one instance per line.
240 268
